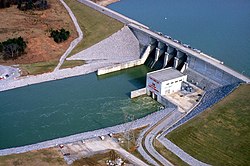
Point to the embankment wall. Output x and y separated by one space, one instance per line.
212 72
118 67
137 93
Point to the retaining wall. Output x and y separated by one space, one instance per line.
137 93
166 102
212 72
118 67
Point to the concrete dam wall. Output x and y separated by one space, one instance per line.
159 51
202 70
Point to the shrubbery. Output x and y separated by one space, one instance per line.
59 35
32 4
12 48
25 4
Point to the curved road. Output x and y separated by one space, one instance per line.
166 122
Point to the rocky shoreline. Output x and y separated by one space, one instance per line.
105 2
145 121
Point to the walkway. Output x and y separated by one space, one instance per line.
75 41
179 152
167 121
145 140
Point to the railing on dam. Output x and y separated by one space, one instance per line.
192 54
161 38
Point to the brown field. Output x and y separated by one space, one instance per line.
43 157
53 157
98 159
34 27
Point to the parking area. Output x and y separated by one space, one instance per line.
96 146
8 73
186 98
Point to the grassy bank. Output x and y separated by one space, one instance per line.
130 144
95 26
38 68
43 53
168 154
220 135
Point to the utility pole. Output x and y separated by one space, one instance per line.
128 133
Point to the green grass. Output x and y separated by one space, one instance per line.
70 64
168 154
221 134
131 145
38 68
95 26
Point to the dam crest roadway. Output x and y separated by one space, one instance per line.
184 57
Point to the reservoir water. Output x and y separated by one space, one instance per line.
219 28
64 107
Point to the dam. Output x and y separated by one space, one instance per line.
160 51
157 52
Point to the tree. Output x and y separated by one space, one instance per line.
59 35
12 48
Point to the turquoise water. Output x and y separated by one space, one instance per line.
217 27
64 107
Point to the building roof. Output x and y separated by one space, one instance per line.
165 74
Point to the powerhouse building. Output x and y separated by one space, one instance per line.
164 81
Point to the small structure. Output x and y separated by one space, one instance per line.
163 82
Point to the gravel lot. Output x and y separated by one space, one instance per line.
11 73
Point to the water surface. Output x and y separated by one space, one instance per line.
219 28
64 107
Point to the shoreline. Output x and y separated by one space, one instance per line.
106 2
95 60
148 120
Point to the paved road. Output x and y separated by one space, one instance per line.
167 121
179 152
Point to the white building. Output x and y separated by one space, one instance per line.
165 81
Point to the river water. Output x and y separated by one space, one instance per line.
64 107
217 27
59 108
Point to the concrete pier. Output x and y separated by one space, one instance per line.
176 62
170 49
137 93
167 58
